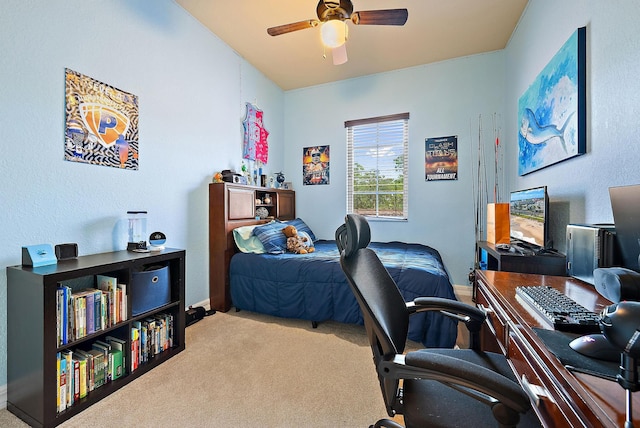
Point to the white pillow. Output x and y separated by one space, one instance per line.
246 241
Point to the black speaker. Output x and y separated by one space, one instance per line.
617 283
66 251
193 315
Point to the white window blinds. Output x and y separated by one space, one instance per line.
377 159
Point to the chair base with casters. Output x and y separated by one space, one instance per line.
430 387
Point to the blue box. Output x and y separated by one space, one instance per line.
484 259
38 255
150 289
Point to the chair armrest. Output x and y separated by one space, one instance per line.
471 316
472 379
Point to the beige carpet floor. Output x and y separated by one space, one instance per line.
249 370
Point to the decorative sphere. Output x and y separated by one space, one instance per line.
262 212
280 177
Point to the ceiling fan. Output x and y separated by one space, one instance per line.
333 15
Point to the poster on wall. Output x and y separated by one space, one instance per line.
315 165
441 158
101 123
255 145
552 111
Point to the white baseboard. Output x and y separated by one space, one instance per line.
204 303
3 396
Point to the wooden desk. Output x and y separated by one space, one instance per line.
573 399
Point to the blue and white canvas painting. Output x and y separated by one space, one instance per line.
551 112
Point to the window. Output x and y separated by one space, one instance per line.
377 158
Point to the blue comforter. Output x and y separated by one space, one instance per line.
313 286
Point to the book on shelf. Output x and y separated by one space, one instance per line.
90 369
91 325
64 376
79 315
165 333
109 285
98 368
76 379
105 348
62 310
135 346
123 301
82 374
97 310
118 344
62 384
104 311
81 371
142 332
118 367
67 355
71 321
150 326
58 357
166 330
84 312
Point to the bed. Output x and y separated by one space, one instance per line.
313 287
249 268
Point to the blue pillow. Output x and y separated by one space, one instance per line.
272 237
301 226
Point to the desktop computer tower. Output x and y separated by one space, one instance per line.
590 247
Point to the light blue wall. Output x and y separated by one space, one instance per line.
447 98
191 89
578 188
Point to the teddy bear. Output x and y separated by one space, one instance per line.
296 243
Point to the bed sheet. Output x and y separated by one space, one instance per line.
313 287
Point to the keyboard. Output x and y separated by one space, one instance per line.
559 310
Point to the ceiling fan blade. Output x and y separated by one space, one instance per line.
380 17
339 54
295 26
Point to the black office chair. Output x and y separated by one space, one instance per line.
440 387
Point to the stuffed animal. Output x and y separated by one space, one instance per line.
297 243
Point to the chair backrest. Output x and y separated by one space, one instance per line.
384 310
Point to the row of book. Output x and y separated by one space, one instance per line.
150 337
84 312
81 371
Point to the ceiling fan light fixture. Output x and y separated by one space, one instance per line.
339 54
334 33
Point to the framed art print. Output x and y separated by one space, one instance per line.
315 165
552 111
101 123
441 158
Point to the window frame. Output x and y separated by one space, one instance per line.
372 126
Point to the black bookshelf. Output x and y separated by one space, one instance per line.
32 338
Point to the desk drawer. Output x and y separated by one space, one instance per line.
553 406
495 339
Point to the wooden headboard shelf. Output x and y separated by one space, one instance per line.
230 206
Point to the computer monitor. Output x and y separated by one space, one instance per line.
625 204
528 217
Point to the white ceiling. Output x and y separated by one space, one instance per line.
436 30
